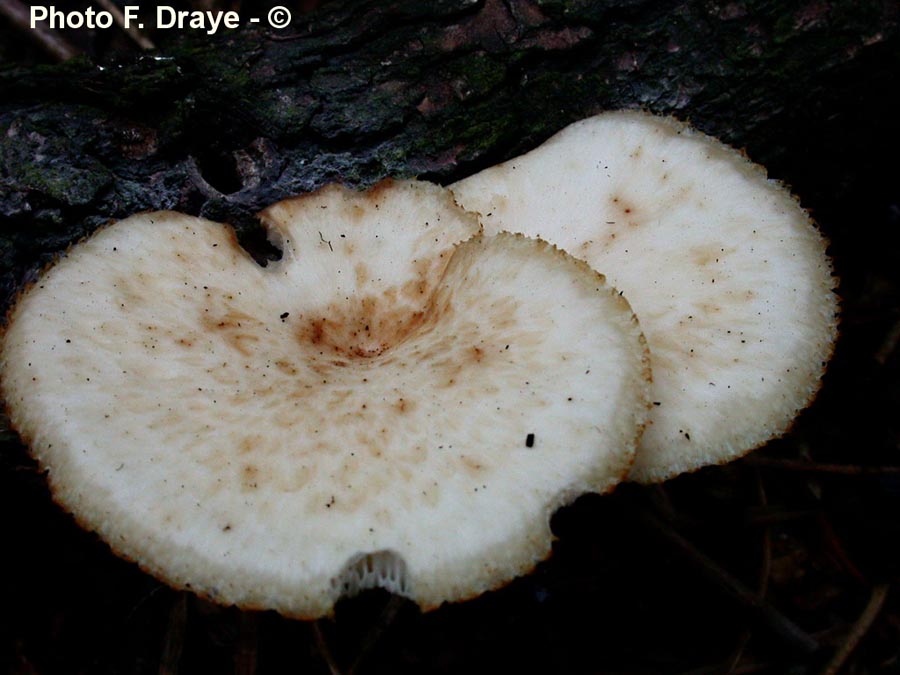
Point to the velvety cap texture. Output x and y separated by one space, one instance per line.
398 402
725 271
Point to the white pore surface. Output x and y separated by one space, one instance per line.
353 415
726 273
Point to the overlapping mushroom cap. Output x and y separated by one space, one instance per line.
396 402
725 271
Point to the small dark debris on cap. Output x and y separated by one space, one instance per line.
529 441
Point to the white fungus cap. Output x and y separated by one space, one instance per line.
384 406
725 271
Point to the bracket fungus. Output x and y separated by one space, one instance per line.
398 402
726 272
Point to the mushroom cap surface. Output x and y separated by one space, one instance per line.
725 271
398 402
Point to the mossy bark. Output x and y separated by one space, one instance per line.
223 126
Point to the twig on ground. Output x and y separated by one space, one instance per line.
765 568
889 346
324 649
388 614
50 41
247 644
779 625
173 642
771 515
836 547
858 631
812 467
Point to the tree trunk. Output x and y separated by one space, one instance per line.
224 126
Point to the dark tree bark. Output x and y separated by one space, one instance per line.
223 126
